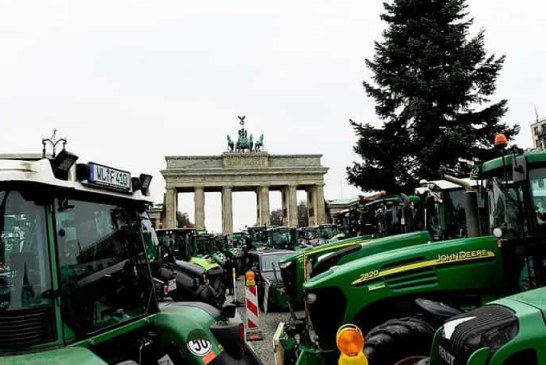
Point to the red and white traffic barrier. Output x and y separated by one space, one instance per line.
252 310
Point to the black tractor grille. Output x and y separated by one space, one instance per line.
490 326
327 315
26 327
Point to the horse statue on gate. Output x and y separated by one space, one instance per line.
259 145
230 143
244 143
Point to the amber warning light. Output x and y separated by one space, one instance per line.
350 342
500 141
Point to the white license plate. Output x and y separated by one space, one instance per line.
104 175
172 285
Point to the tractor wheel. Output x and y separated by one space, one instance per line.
402 341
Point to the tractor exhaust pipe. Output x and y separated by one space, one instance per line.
471 206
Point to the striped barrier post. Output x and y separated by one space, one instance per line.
234 278
253 332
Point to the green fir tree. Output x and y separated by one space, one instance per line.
432 86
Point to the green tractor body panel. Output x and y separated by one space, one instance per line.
468 272
524 343
63 356
292 267
205 263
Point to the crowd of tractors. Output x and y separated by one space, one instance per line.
450 273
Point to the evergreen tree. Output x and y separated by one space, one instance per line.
183 220
275 217
432 88
303 214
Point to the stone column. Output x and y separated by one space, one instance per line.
170 207
227 210
321 209
258 205
312 205
284 199
263 206
292 206
199 202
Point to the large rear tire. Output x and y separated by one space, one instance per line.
402 341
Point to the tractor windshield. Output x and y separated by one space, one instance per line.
505 206
104 276
282 238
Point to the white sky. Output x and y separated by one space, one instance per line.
129 82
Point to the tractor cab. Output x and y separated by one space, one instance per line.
75 280
282 238
383 215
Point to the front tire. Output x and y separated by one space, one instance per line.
401 341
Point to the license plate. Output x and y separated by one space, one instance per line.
172 285
109 177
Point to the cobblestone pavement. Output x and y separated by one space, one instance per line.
268 324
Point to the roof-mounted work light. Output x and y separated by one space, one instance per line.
145 180
141 183
62 163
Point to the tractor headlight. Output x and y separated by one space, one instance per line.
285 265
311 298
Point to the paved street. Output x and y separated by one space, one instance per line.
268 324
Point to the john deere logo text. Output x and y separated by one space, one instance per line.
463 255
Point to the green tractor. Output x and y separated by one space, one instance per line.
406 290
511 330
75 280
319 234
187 244
380 216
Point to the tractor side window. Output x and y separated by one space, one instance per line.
103 266
24 260
538 187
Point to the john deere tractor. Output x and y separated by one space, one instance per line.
511 330
423 217
398 297
75 280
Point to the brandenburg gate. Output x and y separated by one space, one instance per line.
245 167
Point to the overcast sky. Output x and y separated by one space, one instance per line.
129 82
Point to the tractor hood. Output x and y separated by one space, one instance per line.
369 248
378 267
328 247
